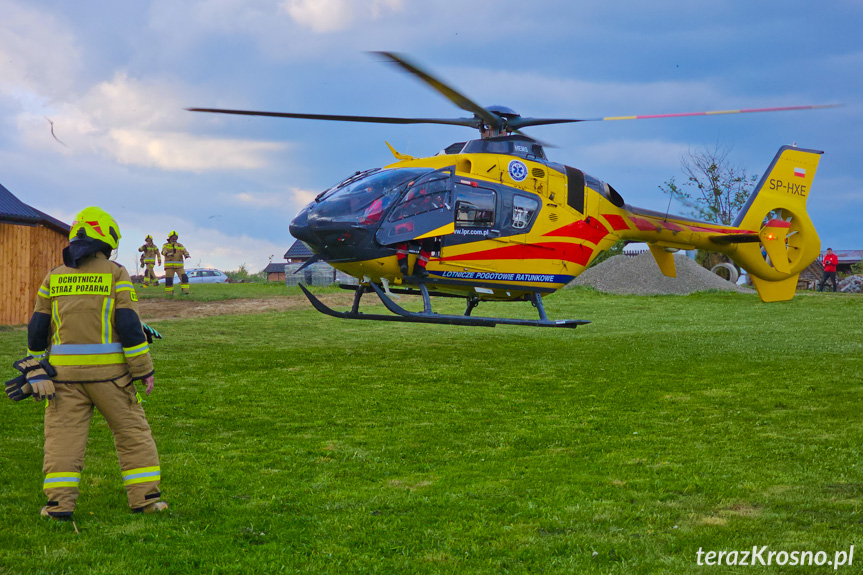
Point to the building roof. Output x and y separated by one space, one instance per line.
297 251
275 267
846 256
14 211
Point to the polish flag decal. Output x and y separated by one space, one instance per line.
800 172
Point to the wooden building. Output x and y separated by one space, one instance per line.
31 244
275 271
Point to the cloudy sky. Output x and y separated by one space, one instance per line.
115 77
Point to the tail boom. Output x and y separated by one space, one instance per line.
773 238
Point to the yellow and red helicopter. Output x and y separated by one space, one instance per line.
494 219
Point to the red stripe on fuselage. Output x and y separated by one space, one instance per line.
671 226
576 253
592 232
616 222
643 225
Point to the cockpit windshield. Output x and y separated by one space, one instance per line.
364 198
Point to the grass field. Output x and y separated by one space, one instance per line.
293 442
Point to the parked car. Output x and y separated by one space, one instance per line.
206 276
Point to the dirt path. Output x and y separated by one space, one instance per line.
178 308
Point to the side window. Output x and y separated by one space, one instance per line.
422 197
523 209
193 274
474 207
210 274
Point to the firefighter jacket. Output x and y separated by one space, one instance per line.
151 252
175 255
86 320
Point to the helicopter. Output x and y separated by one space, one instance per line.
493 219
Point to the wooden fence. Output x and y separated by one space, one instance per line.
27 254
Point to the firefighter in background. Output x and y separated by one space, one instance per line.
85 324
175 255
148 260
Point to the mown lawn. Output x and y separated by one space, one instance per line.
294 442
226 291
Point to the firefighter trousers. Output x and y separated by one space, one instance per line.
169 279
149 274
67 424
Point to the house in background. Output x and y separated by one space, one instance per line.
298 253
275 271
32 243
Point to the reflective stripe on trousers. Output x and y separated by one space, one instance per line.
141 475
62 479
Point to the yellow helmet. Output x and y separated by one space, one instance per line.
173 234
97 224
148 238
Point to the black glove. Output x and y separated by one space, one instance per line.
150 333
37 375
18 388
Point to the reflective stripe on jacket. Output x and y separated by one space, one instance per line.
151 252
175 254
86 318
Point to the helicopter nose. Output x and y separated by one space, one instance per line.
300 228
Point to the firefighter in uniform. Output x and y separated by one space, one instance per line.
86 325
175 255
148 259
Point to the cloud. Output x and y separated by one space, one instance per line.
209 247
272 205
633 153
325 16
281 200
38 54
180 151
136 123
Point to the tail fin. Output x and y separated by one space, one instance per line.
776 210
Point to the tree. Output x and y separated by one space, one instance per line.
714 190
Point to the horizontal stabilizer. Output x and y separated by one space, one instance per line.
736 239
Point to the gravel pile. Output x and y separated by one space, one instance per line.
851 284
640 275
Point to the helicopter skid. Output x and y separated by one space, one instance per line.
428 316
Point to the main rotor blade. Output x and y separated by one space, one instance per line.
516 123
448 92
712 113
470 122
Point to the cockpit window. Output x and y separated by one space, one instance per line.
474 207
364 197
349 180
523 209
424 196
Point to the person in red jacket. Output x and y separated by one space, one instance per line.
830 263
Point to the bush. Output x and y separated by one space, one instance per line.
242 275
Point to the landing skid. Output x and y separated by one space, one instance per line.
428 316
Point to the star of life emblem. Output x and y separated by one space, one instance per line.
517 170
